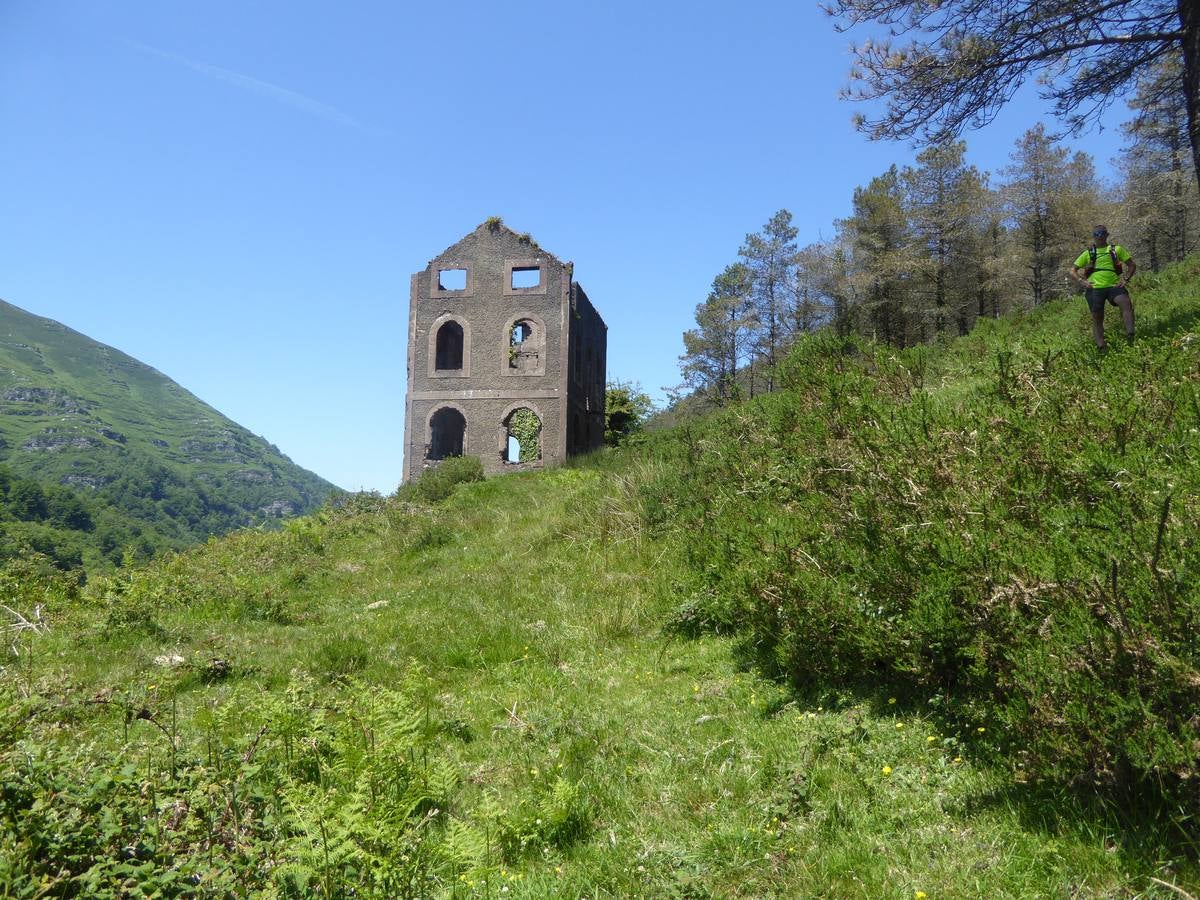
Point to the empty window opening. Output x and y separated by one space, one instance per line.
526 277
452 279
524 347
447 431
449 353
523 437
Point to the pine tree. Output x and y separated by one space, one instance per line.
721 342
966 58
1160 195
1049 198
770 258
872 263
817 300
944 200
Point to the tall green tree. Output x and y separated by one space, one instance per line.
964 59
872 265
770 258
1160 196
1047 196
722 341
27 500
945 201
817 298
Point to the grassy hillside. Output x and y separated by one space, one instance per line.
677 670
1005 526
79 414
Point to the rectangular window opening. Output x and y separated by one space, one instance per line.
452 279
526 277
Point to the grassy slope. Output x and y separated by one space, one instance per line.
548 648
117 409
533 607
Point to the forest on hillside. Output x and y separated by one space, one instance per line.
930 249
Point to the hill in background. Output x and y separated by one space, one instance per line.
76 414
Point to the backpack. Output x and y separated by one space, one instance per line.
1112 254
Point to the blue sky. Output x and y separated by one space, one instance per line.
236 193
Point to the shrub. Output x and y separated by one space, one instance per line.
438 483
1019 545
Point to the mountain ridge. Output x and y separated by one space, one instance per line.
80 413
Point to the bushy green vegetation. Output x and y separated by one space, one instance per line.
75 530
750 656
626 408
438 482
1005 528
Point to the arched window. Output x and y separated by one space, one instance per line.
447 433
524 347
523 442
449 353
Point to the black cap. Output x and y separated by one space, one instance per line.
1099 231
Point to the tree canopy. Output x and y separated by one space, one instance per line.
959 61
626 406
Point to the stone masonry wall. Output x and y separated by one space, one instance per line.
495 376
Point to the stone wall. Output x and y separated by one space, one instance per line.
467 303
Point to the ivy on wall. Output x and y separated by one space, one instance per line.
525 426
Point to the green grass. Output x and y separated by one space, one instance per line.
485 696
543 650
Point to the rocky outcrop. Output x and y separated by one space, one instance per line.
278 509
224 446
59 402
91 482
113 435
253 476
52 441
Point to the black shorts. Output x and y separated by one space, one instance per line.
1097 296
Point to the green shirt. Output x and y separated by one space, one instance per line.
1104 276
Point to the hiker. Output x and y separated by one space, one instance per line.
1104 270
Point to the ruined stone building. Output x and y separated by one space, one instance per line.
506 357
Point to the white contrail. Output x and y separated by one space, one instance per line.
256 86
